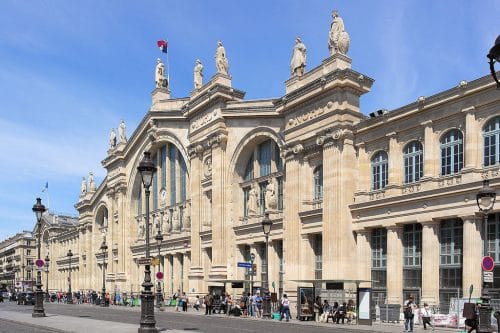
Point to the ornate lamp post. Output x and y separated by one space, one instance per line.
38 310
159 298
266 305
47 260
104 248
70 294
485 199
146 169
494 56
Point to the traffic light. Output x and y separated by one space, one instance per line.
254 269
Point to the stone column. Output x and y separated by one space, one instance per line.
472 254
430 150
177 268
472 135
364 255
395 158
430 262
394 265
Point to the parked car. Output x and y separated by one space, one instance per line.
26 298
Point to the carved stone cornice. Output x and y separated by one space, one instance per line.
214 140
292 149
333 136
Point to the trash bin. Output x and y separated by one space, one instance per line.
390 313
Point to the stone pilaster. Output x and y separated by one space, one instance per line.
291 227
430 150
394 265
219 205
472 254
364 169
395 158
430 262
471 153
339 247
196 269
364 255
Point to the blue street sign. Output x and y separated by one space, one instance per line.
245 264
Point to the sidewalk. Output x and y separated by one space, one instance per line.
64 324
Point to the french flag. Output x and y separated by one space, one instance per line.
162 44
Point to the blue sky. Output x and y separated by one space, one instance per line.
71 70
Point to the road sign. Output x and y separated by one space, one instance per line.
39 263
159 275
488 263
488 277
245 264
144 261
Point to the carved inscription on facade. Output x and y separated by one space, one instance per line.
303 118
205 119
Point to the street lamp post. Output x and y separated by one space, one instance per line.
494 56
159 300
69 296
22 282
47 260
146 169
266 305
38 310
485 199
104 248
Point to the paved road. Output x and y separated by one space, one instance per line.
105 318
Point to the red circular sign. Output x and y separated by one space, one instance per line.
159 275
39 263
488 263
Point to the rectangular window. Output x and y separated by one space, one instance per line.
280 193
261 249
279 161
28 252
279 253
246 194
450 269
163 169
155 184
172 155
318 256
183 178
379 258
265 158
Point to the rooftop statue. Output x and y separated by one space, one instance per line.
112 139
338 38
121 132
160 80
198 74
298 63
220 59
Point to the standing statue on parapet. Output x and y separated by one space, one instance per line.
91 183
298 63
121 132
220 59
83 187
112 139
198 75
160 80
338 38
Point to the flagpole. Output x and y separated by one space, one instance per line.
168 70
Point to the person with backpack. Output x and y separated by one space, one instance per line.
409 313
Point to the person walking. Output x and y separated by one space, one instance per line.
285 308
426 316
318 308
409 313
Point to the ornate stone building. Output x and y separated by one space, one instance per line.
388 198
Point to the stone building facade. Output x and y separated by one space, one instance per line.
388 198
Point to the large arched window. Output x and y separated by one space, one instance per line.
379 170
262 178
413 161
491 135
452 152
318 183
102 217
